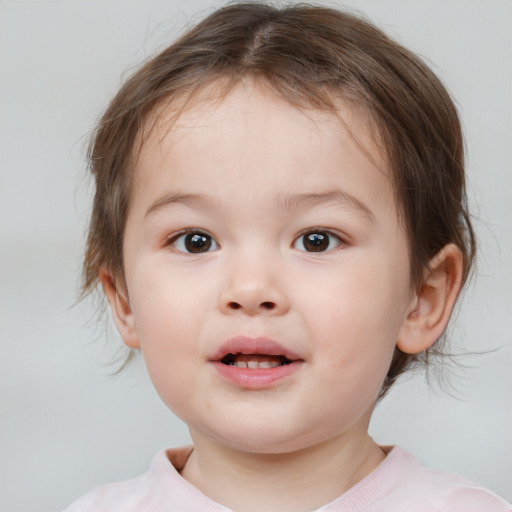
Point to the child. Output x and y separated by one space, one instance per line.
280 226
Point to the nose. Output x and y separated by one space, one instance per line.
253 290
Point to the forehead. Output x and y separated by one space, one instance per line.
251 134
193 110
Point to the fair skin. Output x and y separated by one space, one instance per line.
294 248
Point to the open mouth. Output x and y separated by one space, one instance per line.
255 361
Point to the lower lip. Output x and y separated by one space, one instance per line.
256 378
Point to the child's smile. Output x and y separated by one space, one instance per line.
267 272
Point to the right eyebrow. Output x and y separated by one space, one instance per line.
174 198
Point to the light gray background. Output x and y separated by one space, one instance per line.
65 425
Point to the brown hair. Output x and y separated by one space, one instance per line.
308 55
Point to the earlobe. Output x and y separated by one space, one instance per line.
121 310
433 304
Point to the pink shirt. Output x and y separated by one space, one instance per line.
399 484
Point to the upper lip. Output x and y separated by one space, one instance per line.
258 346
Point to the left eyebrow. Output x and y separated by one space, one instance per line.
303 201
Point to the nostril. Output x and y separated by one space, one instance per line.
251 307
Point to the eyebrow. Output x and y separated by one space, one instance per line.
176 198
290 202
308 200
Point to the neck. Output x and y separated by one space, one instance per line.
300 481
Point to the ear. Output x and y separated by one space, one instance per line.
433 304
121 310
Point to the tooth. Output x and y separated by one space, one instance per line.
253 364
241 364
265 364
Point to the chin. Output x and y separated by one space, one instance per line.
265 437
264 446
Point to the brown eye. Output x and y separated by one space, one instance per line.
197 243
317 241
194 243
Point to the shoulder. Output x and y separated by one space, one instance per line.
430 490
143 493
127 496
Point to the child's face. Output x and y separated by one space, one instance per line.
295 238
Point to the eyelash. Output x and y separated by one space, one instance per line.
322 236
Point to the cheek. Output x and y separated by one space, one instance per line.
166 324
358 310
169 354
165 301
355 321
